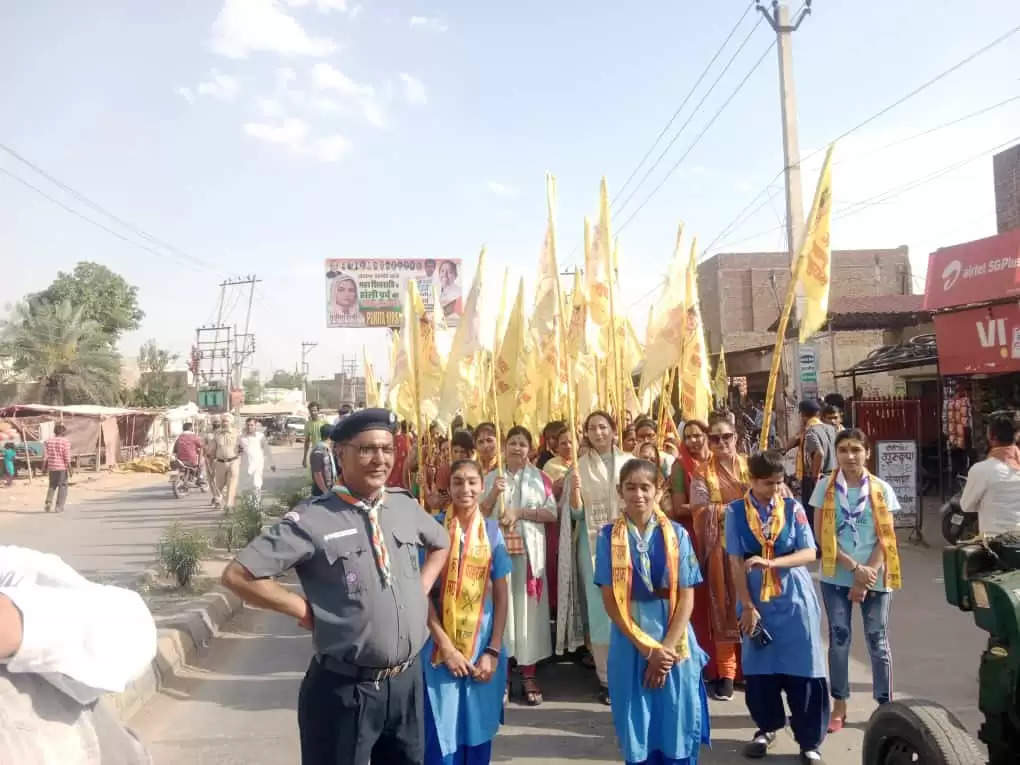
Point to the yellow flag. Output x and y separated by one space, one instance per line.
371 386
669 327
695 391
460 379
815 257
721 383
510 371
597 267
545 322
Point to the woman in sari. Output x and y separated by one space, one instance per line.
647 569
590 503
719 480
559 465
464 659
693 454
650 452
527 505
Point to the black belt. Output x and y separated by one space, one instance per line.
362 674
230 460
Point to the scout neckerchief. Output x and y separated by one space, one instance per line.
883 530
382 556
465 578
849 516
712 477
643 542
800 447
766 537
623 573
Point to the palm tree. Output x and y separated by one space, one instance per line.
68 355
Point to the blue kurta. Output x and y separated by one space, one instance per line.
466 713
673 720
793 618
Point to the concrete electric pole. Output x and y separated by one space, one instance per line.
306 348
779 20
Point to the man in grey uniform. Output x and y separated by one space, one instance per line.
356 552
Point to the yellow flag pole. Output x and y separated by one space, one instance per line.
667 393
499 436
422 434
777 357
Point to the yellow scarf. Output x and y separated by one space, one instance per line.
623 574
883 529
800 447
712 477
770 583
464 585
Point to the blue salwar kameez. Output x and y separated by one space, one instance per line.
462 716
793 663
663 726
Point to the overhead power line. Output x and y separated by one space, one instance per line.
690 117
683 103
898 102
136 230
701 135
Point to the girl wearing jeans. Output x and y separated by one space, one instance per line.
860 564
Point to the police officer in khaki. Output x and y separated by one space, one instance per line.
356 552
226 455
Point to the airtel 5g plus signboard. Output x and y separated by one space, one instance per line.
974 272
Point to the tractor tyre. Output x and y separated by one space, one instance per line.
918 731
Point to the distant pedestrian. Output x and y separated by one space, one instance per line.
226 453
9 468
255 455
323 463
57 462
312 429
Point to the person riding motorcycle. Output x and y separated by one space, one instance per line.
188 449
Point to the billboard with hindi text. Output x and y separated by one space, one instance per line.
368 292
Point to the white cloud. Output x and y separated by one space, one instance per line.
270 107
502 190
247 26
414 89
291 132
355 12
324 104
222 87
327 77
294 134
325 6
331 148
428 22
186 93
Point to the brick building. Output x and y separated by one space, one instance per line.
1006 169
741 298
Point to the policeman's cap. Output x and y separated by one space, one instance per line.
366 419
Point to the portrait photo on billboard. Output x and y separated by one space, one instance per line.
343 296
369 292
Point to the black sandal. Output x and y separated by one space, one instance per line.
604 696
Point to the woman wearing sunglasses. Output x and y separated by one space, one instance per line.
770 545
721 479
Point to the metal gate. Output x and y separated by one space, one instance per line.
893 425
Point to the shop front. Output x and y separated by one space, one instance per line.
973 290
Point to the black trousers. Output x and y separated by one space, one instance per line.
808 698
807 488
344 722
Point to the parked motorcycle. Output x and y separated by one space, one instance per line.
956 524
184 478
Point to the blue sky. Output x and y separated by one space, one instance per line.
262 136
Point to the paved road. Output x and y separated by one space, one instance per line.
110 529
237 705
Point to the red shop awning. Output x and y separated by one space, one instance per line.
974 272
979 340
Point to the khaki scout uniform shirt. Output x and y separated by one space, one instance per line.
225 445
327 542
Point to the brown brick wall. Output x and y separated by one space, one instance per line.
741 292
1006 169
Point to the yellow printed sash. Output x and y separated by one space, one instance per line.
800 447
464 585
712 477
883 529
770 582
623 573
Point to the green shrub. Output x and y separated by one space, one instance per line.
181 551
286 498
244 522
